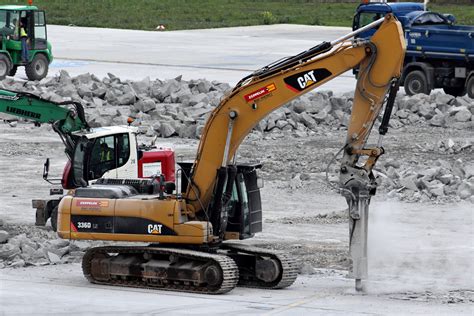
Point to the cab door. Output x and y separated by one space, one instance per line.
39 35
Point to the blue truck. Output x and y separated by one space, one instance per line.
439 53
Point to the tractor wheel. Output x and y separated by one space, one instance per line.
470 87
13 71
416 82
455 91
37 69
54 218
4 66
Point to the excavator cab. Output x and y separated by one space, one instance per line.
241 216
245 206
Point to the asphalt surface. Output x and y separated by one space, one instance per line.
46 291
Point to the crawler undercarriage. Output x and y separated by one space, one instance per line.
215 271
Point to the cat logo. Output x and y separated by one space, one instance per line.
306 80
154 229
303 80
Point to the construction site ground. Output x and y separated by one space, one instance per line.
420 254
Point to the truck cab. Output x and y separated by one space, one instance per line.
439 53
39 49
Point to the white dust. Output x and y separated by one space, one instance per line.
420 247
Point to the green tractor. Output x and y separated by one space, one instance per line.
13 18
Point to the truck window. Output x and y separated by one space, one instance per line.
367 18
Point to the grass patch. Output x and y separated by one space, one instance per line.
194 14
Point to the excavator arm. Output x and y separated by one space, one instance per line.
65 117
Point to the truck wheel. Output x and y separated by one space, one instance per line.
54 218
13 71
4 66
416 82
470 87
455 91
37 69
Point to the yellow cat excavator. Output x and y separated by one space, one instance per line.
188 226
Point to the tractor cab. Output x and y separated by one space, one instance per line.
24 28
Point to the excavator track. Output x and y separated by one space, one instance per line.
161 268
246 258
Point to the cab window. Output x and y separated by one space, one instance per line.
102 157
366 18
123 143
40 25
3 19
9 21
78 163
108 153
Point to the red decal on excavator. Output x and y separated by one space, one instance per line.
260 92
73 228
92 203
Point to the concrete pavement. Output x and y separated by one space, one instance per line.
226 54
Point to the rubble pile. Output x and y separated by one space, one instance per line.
437 109
180 108
447 146
31 246
444 181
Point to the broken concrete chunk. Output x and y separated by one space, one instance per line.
9 250
166 130
145 105
409 183
463 115
18 263
3 236
465 190
126 99
53 258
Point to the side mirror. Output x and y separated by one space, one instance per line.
46 169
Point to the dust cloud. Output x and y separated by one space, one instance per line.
414 247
